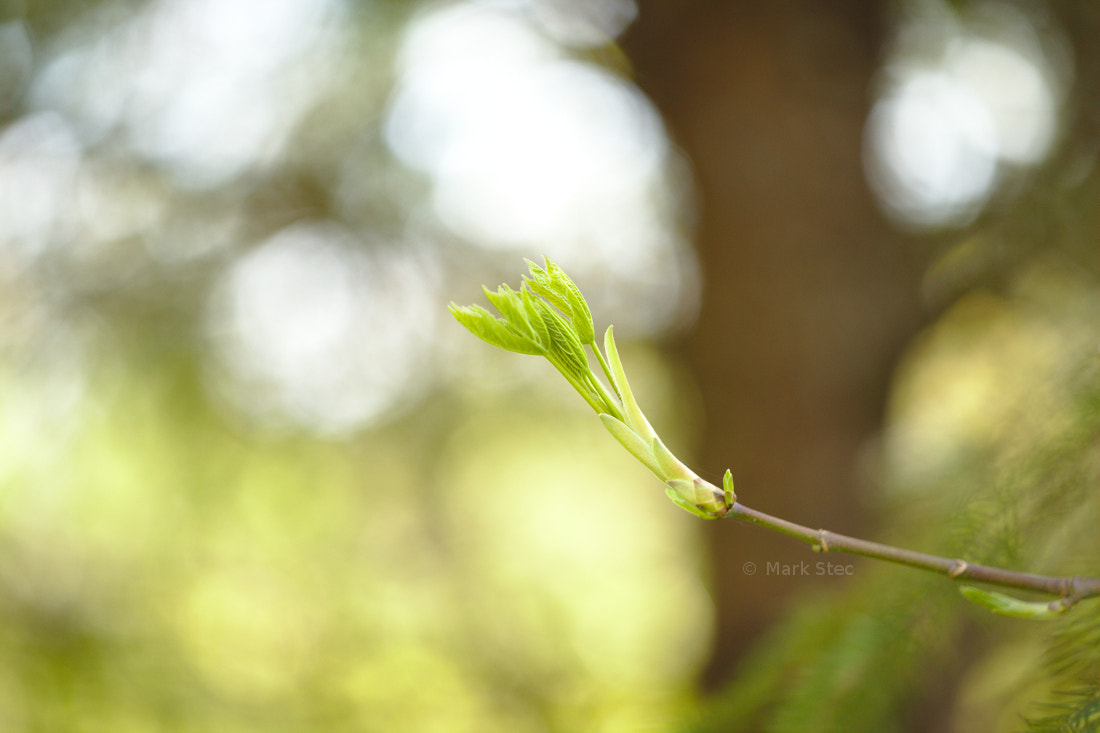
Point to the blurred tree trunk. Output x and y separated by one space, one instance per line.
808 293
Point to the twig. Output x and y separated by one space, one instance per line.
1070 588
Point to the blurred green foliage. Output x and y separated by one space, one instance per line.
162 570
178 551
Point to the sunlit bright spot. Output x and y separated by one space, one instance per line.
54 199
453 62
933 157
525 149
562 150
313 327
39 161
582 22
43 377
953 118
1015 89
208 88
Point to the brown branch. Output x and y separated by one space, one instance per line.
1072 589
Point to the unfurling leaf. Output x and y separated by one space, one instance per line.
686 506
696 496
530 305
578 307
634 416
560 291
564 344
634 444
515 311
671 467
541 283
493 330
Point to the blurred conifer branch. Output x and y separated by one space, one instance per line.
549 317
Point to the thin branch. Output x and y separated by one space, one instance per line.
1071 589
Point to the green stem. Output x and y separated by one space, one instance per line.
585 390
613 401
606 369
1071 588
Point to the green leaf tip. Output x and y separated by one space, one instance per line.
560 291
727 488
634 415
516 313
493 330
1009 606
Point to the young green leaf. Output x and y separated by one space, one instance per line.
634 416
671 467
511 306
727 488
543 284
563 343
671 494
560 291
696 496
541 289
630 440
530 304
1009 606
493 330
578 307
682 493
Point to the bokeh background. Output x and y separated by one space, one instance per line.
254 478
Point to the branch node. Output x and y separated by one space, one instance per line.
1071 587
822 541
959 568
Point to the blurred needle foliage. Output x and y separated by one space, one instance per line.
992 451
